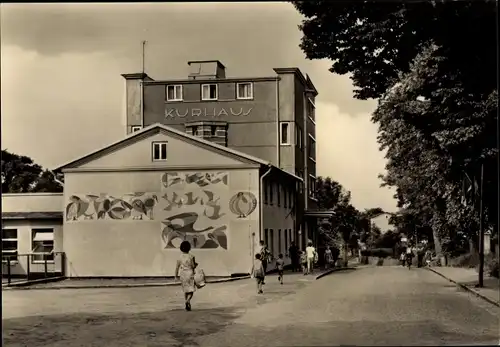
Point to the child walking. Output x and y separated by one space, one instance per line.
303 262
258 273
280 266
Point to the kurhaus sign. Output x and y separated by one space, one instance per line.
207 112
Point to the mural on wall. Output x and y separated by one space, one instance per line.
201 179
243 204
104 206
194 207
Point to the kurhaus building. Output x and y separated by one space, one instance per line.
271 118
221 162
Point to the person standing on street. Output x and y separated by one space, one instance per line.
265 256
311 256
293 252
184 270
328 258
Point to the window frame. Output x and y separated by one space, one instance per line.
11 239
310 146
33 242
279 241
271 193
288 132
298 137
176 98
216 92
238 96
160 150
312 187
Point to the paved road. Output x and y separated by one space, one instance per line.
368 306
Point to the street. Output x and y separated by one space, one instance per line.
366 306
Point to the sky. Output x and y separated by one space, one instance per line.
62 92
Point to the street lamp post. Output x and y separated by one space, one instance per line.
481 231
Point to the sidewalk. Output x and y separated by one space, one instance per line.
148 282
468 278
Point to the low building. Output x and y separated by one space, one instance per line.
32 236
128 206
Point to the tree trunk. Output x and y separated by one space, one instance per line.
345 253
437 243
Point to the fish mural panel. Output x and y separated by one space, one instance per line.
243 204
103 206
194 207
180 227
201 179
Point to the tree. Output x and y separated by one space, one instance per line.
375 42
21 175
436 81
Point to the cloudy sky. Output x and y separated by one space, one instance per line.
62 90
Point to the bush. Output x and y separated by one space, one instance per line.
469 260
491 265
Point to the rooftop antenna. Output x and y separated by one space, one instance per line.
143 54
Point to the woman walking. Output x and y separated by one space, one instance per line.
184 270
328 257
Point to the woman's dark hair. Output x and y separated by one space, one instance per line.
185 247
258 256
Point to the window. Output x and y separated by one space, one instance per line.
159 151
298 134
266 189
136 128
209 92
213 130
278 193
9 244
285 197
285 133
244 90
42 245
195 129
279 241
311 151
290 198
286 240
290 235
271 191
174 93
271 241
312 186
266 237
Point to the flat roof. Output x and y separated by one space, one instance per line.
32 215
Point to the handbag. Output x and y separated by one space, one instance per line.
199 278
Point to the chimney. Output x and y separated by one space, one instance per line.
206 70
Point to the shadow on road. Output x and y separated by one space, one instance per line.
165 328
356 333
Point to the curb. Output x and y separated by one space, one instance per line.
26 286
334 270
470 290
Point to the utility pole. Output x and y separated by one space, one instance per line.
481 230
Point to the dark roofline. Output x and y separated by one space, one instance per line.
197 81
207 61
136 76
296 71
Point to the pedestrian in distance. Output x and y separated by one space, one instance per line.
280 266
258 273
184 270
328 258
265 255
312 257
293 252
303 262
